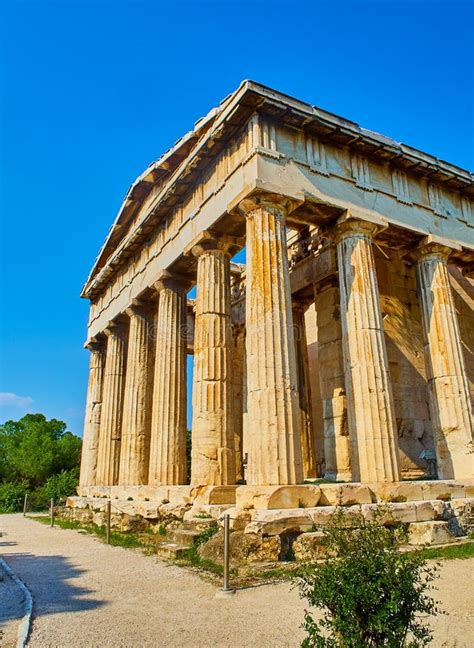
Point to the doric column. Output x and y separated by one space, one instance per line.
90 443
450 404
112 406
213 456
135 437
238 353
372 426
273 420
168 427
304 391
331 380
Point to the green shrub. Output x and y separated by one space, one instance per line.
12 496
59 487
371 595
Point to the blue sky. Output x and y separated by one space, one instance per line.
92 92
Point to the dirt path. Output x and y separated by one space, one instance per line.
89 594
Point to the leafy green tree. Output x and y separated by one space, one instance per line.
371 594
38 456
34 449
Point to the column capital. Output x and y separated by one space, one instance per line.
114 328
433 246
170 280
216 243
279 205
350 226
137 307
94 344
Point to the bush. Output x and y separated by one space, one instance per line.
370 593
59 487
12 496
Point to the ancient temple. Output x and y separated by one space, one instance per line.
341 349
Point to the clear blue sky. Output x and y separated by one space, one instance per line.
92 92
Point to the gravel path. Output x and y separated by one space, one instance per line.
89 594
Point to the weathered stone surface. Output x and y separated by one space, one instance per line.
344 494
397 491
310 546
331 380
213 454
274 420
429 533
450 402
168 418
369 382
276 521
442 490
90 446
244 547
308 451
108 454
135 437
277 497
372 425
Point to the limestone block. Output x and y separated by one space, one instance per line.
321 515
429 510
468 487
244 547
239 518
397 512
277 497
310 546
429 533
215 494
344 494
279 521
77 502
397 491
442 490
173 511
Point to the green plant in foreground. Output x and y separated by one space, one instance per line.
371 594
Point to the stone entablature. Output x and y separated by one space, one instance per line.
354 169
353 246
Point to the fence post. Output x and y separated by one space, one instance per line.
52 511
109 511
25 502
226 589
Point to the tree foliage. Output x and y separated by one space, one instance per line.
37 455
371 594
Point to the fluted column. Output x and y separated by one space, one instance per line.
372 427
273 421
90 444
331 380
450 404
168 427
112 406
308 450
213 456
238 396
135 437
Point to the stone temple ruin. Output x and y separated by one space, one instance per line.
341 351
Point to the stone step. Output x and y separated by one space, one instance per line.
198 524
183 537
170 550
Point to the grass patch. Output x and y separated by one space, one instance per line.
117 539
192 557
450 552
